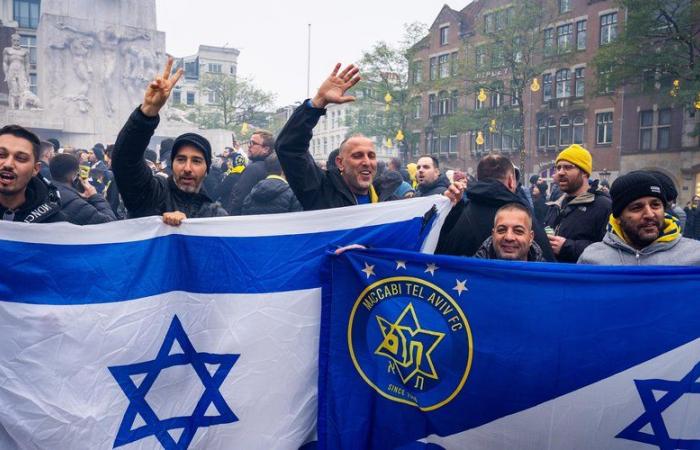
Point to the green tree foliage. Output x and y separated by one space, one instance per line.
658 43
236 101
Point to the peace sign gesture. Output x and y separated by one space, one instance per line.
159 90
333 89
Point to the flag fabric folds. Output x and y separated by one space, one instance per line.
425 351
137 335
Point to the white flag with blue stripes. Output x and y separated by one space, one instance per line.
137 335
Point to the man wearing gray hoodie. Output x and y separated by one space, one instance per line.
640 232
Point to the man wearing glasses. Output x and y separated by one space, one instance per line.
260 146
580 216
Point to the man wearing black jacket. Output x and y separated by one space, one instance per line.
24 196
80 201
179 196
351 182
470 223
261 145
430 180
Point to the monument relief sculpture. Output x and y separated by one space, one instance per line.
15 63
79 48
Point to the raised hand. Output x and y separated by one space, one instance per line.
159 90
333 89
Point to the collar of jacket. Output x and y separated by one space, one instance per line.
489 252
42 201
276 177
583 199
339 182
668 237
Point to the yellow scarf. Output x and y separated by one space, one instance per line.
236 169
670 233
373 197
276 177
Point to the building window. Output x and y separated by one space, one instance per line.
192 69
433 68
481 57
608 28
664 129
190 98
454 102
212 97
32 83
497 56
565 37
488 23
417 107
581 34
26 13
454 64
541 133
416 145
444 66
177 97
454 142
444 34
29 42
548 41
214 68
432 105
604 128
563 78
564 6
578 129
551 132
646 129
580 82
443 103
547 87
564 131
496 99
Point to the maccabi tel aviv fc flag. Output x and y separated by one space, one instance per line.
137 335
423 351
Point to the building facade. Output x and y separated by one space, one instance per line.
210 60
624 129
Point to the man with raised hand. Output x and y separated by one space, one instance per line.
180 195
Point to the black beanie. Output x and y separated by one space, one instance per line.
195 140
667 185
62 165
630 187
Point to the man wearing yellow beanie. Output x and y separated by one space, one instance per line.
580 216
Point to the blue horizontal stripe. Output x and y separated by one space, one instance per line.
99 273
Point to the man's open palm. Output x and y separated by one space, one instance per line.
333 89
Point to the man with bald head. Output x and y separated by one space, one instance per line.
351 182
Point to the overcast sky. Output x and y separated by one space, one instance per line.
272 34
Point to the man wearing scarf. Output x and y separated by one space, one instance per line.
640 232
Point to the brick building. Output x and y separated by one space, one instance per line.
627 129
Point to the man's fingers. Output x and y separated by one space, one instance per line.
352 82
345 71
335 70
346 99
350 74
168 68
176 78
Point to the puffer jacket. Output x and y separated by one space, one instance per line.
437 187
42 204
487 251
271 196
81 211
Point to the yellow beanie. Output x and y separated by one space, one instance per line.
578 156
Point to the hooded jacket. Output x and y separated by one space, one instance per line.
42 203
81 211
314 188
437 187
670 249
271 196
582 220
470 223
253 173
692 223
143 193
487 251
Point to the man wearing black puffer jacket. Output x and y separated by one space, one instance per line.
261 146
273 194
430 180
25 196
470 223
178 197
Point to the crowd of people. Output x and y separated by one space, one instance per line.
634 221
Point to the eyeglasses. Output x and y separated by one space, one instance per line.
565 167
253 143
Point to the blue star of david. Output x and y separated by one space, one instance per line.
159 427
653 409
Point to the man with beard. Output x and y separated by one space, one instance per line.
176 197
512 237
640 232
580 216
430 180
24 196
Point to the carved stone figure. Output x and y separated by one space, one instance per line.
15 63
175 115
79 48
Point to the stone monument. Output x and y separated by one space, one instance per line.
15 66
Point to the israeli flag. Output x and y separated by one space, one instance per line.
433 352
138 335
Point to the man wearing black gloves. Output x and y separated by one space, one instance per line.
180 195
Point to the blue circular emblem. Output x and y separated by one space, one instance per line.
411 342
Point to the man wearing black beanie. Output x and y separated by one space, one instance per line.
178 197
639 233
